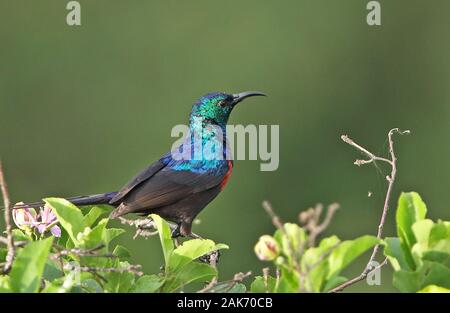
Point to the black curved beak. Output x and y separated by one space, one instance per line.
238 97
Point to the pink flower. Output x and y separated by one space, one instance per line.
27 219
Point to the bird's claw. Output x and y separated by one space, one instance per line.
212 257
176 232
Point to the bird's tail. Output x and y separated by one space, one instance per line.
102 198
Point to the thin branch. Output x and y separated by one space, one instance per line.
92 252
358 278
311 221
134 269
237 278
390 179
275 219
145 227
4 240
372 157
9 236
266 274
277 278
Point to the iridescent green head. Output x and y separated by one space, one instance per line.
215 108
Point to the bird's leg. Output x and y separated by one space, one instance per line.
177 231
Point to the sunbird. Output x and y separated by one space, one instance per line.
176 188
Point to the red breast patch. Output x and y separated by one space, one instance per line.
227 175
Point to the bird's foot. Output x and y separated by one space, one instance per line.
210 258
176 232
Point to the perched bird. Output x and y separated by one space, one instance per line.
175 187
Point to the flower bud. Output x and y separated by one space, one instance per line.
266 248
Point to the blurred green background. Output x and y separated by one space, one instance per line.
83 109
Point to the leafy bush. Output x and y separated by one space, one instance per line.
309 269
420 255
83 258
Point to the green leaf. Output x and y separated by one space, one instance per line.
69 216
437 256
434 289
165 236
315 261
191 272
191 250
111 233
347 251
91 285
421 230
148 284
293 240
410 209
317 277
52 270
262 285
121 252
5 285
62 284
289 281
236 288
437 274
119 282
28 266
315 254
395 253
94 237
430 273
439 234
94 213
407 281
226 287
20 235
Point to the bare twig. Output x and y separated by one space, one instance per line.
9 236
390 179
277 278
92 252
372 157
134 269
358 278
311 221
229 284
4 240
266 274
275 219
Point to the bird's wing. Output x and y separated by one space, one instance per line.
138 179
169 186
